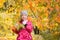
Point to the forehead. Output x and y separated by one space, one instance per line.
24 15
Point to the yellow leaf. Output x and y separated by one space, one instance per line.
1 3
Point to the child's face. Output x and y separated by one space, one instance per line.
24 17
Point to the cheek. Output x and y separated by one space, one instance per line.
24 17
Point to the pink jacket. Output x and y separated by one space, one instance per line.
25 33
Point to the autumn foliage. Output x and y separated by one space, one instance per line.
45 14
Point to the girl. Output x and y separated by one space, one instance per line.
24 33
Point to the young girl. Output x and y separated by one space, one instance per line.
24 33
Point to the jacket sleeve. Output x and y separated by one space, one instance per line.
29 26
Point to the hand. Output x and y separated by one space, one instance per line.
13 28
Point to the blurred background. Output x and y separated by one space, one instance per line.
44 14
